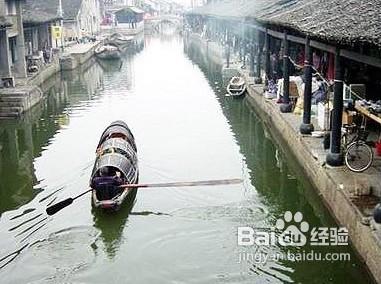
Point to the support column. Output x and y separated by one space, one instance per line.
228 48
306 127
252 53
335 157
258 79
267 57
2 7
286 105
20 64
5 57
244 43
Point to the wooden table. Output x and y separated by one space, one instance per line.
367 113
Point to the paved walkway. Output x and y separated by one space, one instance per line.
364 189
80 48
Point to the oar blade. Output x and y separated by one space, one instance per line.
51 210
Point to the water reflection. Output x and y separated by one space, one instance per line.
280 185
22 143
111 225
24 140
111 66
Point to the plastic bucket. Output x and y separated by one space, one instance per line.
378 148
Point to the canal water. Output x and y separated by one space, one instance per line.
186 129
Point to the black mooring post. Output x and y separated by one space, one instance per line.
335 157
267 57
307 127
286 105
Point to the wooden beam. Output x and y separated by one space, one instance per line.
373 61
276 34
297 39
323 46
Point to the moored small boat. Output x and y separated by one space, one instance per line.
236 87
116 165
121 40
108 51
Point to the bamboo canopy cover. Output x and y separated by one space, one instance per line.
342 21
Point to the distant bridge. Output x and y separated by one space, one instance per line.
154 23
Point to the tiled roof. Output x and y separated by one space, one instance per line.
36 11
343 21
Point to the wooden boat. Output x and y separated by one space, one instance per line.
108 51
121 40
116 164
236 87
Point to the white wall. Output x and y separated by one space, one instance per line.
89 18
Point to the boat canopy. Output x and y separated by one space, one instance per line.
115 128
120 146
117 149
118 161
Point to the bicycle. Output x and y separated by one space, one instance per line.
358 155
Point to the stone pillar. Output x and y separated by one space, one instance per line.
2 7
267 57
20 64
306 127
228 39
286 105
5 57
260 38
244 43
244 50
335 157
34 39
43 37
252 53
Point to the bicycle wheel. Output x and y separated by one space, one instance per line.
358 156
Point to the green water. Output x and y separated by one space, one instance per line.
186 129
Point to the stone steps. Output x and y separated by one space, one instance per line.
14 102
11 105
11 101
10 111
8 98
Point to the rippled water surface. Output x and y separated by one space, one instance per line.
185 129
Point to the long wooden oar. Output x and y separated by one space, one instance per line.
51 210
186 183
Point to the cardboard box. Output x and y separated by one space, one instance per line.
347 117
